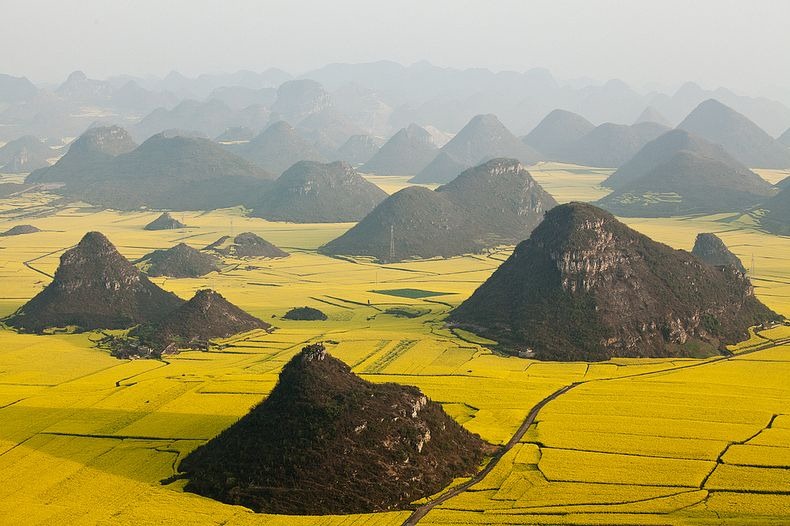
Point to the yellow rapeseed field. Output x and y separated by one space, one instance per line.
89 439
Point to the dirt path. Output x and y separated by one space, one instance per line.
423 510
34 269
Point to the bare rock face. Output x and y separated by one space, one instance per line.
95 287
326 441
586 287
712 250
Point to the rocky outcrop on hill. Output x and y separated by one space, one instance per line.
712 250
95 287
585 286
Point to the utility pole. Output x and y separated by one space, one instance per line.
392 242
752 273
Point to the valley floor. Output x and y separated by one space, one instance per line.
87 439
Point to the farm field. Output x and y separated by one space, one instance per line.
89 439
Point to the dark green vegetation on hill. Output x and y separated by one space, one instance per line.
483 138
206 316
9 189
651 114
245 245
235 134
311 192
777 215
305 314
277 148
556 133
94 287
179 261
585 286
681 174
610 145
89 155
495 203
164 222
358 149
24 154
712 250
405 153
741 137
326 441
664 148
19 230
176 173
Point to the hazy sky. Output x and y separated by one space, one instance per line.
742 44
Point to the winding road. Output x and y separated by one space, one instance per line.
423 510
420 512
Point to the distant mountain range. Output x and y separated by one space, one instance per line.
374 98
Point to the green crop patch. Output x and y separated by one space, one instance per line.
414 294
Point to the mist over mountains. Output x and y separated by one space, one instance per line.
376 98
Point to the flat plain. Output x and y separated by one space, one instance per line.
89 439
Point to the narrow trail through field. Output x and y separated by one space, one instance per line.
423 510
420 512
34 269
